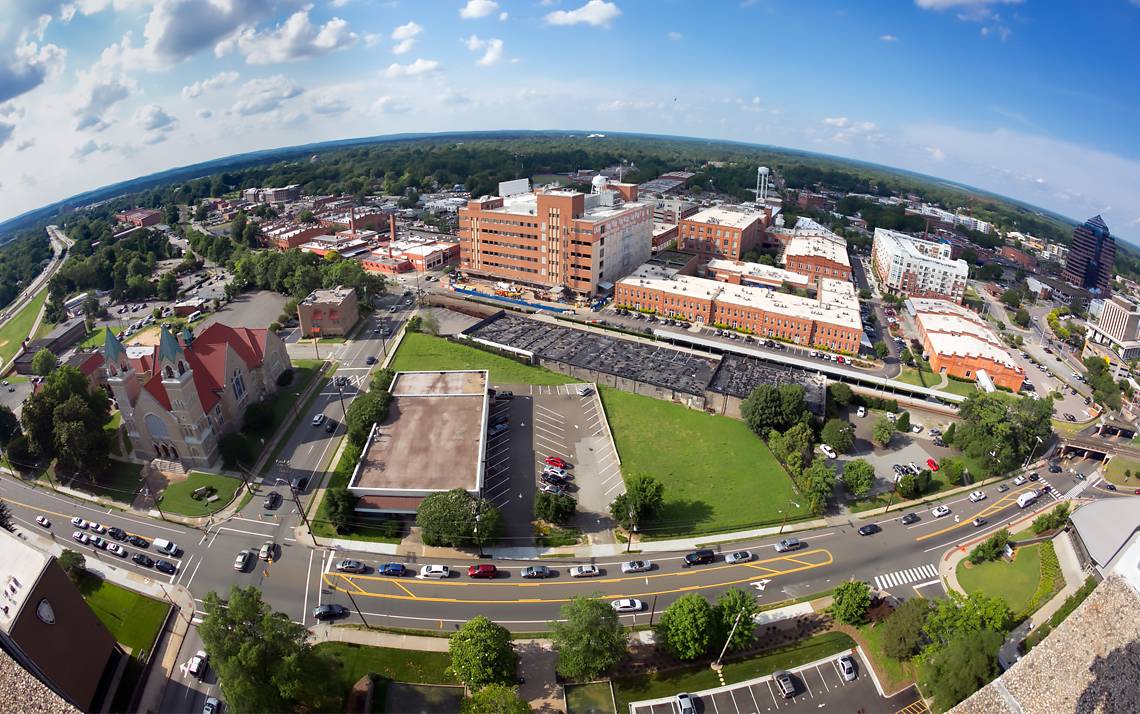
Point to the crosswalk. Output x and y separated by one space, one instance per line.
902 577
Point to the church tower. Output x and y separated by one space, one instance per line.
121 376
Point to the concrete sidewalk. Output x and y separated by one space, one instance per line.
378 638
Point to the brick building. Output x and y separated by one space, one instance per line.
141 217
818 255
1020 257
959 342
721 232
328 313
556 238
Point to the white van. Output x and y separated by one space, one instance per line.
193 316
167 547
1026 499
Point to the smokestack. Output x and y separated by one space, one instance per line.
352 220
391 226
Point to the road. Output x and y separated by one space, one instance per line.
59 241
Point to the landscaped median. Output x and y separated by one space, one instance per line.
199 494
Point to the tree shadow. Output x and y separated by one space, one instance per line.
1116 682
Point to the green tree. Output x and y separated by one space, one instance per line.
367 409
481 654
771 407
643 499
73 563
495 699
6 518
1004 425
818 485
306 216
883 432
202 212
858 477
168 286
881 349
852 599
449 519
948 435
9 425
1022 317
960 613
44 362
965 665
65 419
686 627
841 394
1011 298
907 486
265 659
793 447
902 634
730 604
838 434
953 470
902 423
555 508
589 638
905 355
340 504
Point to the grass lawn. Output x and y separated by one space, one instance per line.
255 440
16 329
425 352
926 378
1114 471
698 677
386 663
120 483
178 499
895 674
1013 582
593 698
718 475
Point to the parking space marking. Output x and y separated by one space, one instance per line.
822 678
772 693
754 702
553 434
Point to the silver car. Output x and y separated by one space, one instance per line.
636 566
846 667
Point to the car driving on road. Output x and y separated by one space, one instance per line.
628 605
351 566
788 544
584 571
940 511
909 518
976 496
698 557
329 611
636 566
395 570
869 529
536 572
740 556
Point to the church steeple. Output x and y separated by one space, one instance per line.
171 358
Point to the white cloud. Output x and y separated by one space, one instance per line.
837 121
598 13
623 105
979 11
888 38
492 49
264 95
947 4
371 39
405 36
503 16
452 98
389 105
25 144
674 35
84 150
29 63
104 84
177 29
6 132
414 69
936 153
218 81
151 117
330 105
296 39
205 114
846 130
475 9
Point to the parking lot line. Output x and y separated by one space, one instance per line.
772 693
754 702
822 678
547 431
713 700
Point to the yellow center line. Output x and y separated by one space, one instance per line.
999 505
686 588
409 592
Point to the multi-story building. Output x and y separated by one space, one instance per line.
1118 327
1020 257
1091 256
292 192
48 629
672 210
916 267
721 232
556 238
817 254
958 342
739 272
328 313
180 397
830 320
141 217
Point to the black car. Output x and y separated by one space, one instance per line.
144 560
501 419
504 394
331 425
699 557
137 541
1034 476
117 533
869 529
1054 469
329 611
272 500
300 483
370 361
909 518
552 478
396 570
165 566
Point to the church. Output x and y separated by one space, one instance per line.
180 397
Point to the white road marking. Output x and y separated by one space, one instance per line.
308 579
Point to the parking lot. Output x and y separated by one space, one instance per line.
550 421
903 449
819 687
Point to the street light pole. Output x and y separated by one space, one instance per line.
358 612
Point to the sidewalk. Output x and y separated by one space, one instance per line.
378 638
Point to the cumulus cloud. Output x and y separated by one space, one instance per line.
405 37
82 151
30 62
389 105
152 117
598 13
25 144
6 132
475 9
414 69
296 39
177 29
218 81
888 38
100 97
205 114
846 130
105 83
492 49
264 95
979 11
329 105
936 153
622 105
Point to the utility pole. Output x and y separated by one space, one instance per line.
300 510
358 612
731 632
629 535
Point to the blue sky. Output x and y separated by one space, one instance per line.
1033 99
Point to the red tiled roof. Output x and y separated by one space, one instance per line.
248 343
92 363
209 367
154 386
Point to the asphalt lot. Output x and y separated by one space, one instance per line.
819 686
255 310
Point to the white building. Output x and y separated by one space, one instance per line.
916 267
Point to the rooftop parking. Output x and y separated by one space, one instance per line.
738 375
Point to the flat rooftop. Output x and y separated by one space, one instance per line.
526 204
818 244
23 565
759 271
722 216
331 296
433 437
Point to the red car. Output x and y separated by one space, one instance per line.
932 464
556 461
482 571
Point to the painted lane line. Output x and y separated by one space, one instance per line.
308 579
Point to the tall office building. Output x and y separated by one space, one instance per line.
1091 257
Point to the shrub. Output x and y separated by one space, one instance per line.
851 601
1052 520
902 630
991 548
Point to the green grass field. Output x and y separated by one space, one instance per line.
697 677
388 664
178 499
909 375
133 619
718 475
425 352
896 674
20 326
593 698
121 482
1013 582
1114 472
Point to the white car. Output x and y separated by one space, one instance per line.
861 411
584 571
940 511
827 451
684 704
628 604
557 472
96 528
117 549
80 537
636 566
976 496
440 572
197 664
1020 480
78 522
916 428
740 556
846 667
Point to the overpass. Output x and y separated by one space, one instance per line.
1093 447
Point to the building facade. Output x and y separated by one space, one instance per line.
818 255
721 232
1092 256
180 397
1117 329
328 313
958 342
141 217
916 267
556 238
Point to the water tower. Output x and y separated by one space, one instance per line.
761 183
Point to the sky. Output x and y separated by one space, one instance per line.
1034 99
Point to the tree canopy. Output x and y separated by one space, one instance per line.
687 626
1008 426
883 432
589 638
495 699
838 434
449 519
643 499
852 599
481 653
774 407
65 420
858 477
966 664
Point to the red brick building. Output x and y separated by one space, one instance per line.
141 217
721 232
1023 259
